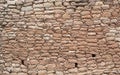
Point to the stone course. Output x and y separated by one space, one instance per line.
59 37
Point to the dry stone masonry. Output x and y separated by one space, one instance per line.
59 37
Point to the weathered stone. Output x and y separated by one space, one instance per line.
28 1
117 39
114 21
59 73
38 5
2 61
66 16
105 6
106 14
85 13
58 3
26 9
73 70
99 3
51 67
13 74
48 4
91 33
22 74
10 2
59 37
42 73
105 20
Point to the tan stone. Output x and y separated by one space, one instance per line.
85 13
42 72
22 74
33 62
99 3
106 14
66 16
51 67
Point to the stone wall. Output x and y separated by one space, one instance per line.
60 37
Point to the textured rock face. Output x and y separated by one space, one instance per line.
59 37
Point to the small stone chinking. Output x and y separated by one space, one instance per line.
59 37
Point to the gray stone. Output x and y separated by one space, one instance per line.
110 34
2 61
48 4
38 5
10 2
105 6
105 20
114 20
28 8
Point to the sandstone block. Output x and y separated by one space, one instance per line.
48 4
66 16
99 3
26 9
22 74
85 12
42 72
58 3
117 39
91 33
10 2
105 6
106 14
73 70
59 73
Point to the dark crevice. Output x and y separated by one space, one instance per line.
3 26
93 55
10 71
22 62
76 64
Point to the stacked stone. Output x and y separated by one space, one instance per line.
60 37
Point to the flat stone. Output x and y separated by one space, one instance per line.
19 2
110 38
28 1
22 74
105 6
73 70
11 2
106 14
13 74
97 21
66 16
59 73
118 28
110 34
48 4
99 3
117 39
42 72
82 69
105 20
2 61
58 3
38 5
25 9
85 12
91 33
114 20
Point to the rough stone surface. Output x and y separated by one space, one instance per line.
59 37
